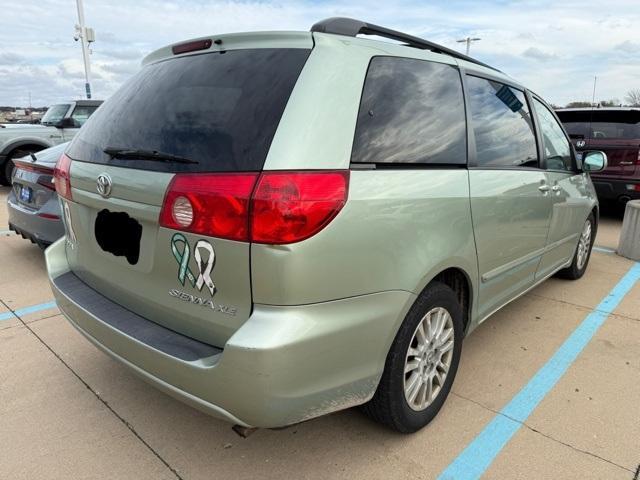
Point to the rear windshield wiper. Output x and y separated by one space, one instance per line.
154 155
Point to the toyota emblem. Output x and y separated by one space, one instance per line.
103 185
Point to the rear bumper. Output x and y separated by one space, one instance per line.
27 223
615 189
283 366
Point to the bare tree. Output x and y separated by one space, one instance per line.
633 97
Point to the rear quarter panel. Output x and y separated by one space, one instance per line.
397 231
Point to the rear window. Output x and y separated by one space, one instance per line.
411 111
218 109
602 124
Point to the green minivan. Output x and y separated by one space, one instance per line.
274 226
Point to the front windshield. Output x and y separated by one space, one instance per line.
54 114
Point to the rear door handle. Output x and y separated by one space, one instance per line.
626 163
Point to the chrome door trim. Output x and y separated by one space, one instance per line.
527 290
490 275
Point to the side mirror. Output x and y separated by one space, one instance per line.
594 161
66 122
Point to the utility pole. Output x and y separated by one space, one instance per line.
593 98
468 41
86 36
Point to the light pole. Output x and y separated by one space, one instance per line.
86 36
468 41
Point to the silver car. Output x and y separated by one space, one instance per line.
34 211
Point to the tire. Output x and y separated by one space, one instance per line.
6 170
583 251
390 404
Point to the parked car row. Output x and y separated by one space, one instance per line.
615 131
59 124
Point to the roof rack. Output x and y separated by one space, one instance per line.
351 28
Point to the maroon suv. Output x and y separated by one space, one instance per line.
615 131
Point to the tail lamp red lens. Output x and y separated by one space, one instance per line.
291 206
62 177
215 205
272 207
46 178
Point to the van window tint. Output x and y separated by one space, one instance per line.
219 109
411 111
502 125
601 124
557 151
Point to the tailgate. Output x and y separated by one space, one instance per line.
206 301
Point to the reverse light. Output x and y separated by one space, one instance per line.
272 207
62 177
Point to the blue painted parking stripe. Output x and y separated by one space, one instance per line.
27 310
474 460
603 249
6 316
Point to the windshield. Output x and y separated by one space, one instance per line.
219 109
602 124
54 114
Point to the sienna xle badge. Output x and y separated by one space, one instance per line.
274 226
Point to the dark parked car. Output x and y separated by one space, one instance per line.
34 211
615 131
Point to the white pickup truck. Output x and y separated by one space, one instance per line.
58 125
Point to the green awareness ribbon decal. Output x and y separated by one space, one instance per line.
183 257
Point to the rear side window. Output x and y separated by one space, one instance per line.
218 109
602 124
557 151
502 125
411 111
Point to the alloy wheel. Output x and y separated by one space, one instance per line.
428 358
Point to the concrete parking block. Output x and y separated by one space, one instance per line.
531 455
343 445
595 405
54 427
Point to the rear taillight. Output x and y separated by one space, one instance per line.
215 205
272 207
291 206
46 180
62 177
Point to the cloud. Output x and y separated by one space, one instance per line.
554 47
537 54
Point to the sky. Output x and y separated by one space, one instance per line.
555 48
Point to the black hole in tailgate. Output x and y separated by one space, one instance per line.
119 234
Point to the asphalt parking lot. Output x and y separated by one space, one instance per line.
69 411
